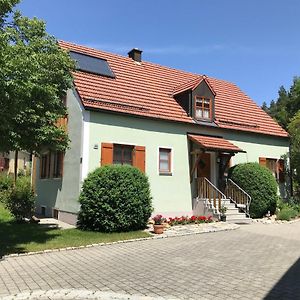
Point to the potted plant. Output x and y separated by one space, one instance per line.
223 210
158 227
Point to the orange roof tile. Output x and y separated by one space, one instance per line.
214 143
147 89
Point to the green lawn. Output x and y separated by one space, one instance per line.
20 238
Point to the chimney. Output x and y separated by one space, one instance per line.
135 54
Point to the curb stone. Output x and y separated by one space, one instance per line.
79 294
152 237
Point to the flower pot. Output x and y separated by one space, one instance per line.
158 229
223 218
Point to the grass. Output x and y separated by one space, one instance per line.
26 237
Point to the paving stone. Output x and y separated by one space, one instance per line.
257 261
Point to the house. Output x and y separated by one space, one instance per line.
182 129
7 162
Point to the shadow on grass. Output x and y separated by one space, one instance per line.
14 235
288 287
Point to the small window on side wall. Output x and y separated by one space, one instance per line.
58 158
165 161
45 163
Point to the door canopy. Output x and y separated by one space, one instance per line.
211 143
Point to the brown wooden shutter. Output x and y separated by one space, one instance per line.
139 158
106 154
263 161
280 167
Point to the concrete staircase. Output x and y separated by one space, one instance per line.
234 214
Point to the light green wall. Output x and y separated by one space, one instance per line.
170 193
63 193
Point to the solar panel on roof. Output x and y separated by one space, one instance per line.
91 64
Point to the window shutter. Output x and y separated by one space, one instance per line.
106 154
263 161
280 167
139 158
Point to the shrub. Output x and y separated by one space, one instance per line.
260 184
20 200
6 182
287 213
115 198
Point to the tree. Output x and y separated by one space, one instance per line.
294 131
35 74
286 105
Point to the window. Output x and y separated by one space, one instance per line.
276 166
203 108
45 162
58 158
51 165
271 164
122 154
164 161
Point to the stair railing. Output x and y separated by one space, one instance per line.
208 191
238 196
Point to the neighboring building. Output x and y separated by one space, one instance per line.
7 162
177 127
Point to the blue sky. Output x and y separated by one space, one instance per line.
254 44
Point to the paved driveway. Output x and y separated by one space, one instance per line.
254 262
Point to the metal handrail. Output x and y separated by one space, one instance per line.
230 193
207 190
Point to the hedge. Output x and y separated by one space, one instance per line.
260 184
115 198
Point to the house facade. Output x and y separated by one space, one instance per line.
7 162
177 127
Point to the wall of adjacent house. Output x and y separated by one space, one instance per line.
62 193
24 163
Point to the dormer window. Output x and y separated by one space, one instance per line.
203 108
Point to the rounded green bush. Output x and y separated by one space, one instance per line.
115 198
260 184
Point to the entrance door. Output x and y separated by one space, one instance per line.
203 168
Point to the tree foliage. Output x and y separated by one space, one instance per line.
286 105
286 111
35 74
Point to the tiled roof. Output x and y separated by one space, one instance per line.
192 84
147 89
214 143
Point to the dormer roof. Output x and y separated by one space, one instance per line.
192 84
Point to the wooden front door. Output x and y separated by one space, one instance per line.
203 168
